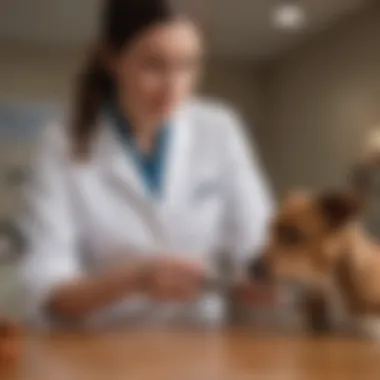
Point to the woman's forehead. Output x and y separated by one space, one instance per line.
178 35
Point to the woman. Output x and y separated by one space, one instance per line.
135 199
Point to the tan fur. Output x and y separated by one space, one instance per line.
327 262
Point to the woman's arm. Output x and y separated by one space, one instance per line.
86 295
56 285
249 199
52 258
162 279
250 207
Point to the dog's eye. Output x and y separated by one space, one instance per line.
289 235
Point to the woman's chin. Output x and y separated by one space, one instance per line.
163 111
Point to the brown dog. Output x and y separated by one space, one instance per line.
317 243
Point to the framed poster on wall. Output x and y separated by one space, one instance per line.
20 124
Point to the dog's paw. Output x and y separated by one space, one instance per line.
369 328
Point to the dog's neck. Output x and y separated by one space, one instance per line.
356 254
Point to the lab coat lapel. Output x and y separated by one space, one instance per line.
121 173
178 162
118 165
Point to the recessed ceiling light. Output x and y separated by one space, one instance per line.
289 15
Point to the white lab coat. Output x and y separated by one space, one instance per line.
87 216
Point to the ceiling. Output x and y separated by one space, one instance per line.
244 26
235 28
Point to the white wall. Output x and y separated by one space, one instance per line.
320 101
49 21
238 83
32 73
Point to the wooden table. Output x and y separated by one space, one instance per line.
194 355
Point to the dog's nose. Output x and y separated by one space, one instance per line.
258 270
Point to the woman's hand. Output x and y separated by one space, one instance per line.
171 279
252 293
165 279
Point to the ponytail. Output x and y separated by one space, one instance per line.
94 86
122 21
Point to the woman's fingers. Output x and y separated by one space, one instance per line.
174 281
252 294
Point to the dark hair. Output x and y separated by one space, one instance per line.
122 21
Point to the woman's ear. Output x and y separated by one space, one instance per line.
338 207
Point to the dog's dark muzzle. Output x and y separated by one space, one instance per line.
258 270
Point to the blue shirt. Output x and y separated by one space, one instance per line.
151 167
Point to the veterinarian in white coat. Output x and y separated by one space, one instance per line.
132 202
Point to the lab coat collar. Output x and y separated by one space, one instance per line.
178 160
120 168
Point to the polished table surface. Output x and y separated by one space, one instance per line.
193 355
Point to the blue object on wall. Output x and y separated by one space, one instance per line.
22 121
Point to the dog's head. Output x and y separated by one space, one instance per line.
306 238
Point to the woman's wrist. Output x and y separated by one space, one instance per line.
143 274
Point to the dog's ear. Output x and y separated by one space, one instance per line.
338 207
